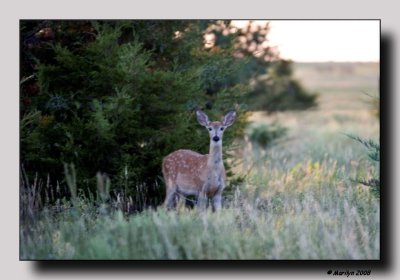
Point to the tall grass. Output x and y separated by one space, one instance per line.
281 227
312 210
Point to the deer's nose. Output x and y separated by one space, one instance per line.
216 138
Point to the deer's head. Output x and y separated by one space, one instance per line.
216 129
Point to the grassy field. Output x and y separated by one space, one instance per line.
300 199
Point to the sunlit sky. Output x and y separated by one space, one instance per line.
326 40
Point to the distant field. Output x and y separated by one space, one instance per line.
343 87
346 91
329 76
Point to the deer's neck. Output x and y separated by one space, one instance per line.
215 155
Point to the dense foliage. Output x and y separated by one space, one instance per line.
119 96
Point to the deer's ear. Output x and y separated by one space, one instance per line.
229 118
202 118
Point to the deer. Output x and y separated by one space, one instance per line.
189 173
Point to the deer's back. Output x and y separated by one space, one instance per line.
186 169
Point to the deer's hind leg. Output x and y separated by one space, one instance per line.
172 196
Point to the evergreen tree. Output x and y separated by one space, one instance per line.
117 97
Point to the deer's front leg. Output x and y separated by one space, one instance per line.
216 200
202 197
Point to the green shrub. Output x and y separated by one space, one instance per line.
278 91
265 135
373 149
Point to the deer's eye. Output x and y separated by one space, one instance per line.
209 128
221 128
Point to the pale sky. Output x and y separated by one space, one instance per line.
326 40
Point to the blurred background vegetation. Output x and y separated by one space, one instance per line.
117 96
